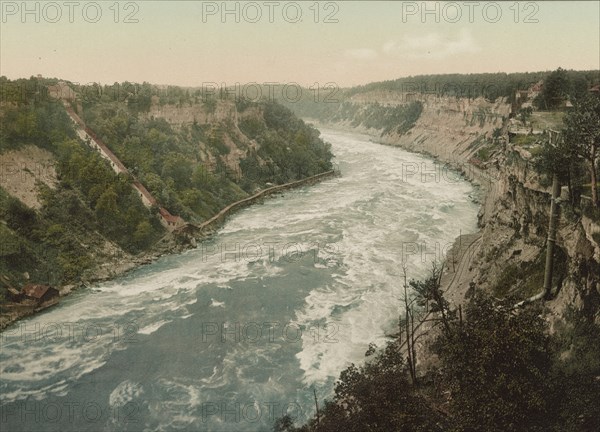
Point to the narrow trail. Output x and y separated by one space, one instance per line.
450 284
219 217
466 254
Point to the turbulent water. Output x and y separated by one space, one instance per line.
238 332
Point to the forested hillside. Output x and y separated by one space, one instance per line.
227 150
88 215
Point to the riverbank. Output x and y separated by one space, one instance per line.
458 271
504 255
178 241
459 268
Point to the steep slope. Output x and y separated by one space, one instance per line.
67 218
197 156
23 168
470 135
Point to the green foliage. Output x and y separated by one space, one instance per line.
583 134
117 208
389 119
178 168
496 365
490 86
429 294
555 91
252 127
527 278
499 370
58 243
50 248
242 103
555 159
524 140
37 120
577 371
188 170
487 85
497 134
485 153
590 211
524 114
18 216
374 397
292 149
210 104
143 234
216 140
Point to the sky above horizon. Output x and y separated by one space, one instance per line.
189 43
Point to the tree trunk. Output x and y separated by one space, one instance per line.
414 350
409 349
409 340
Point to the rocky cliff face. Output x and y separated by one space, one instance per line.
448 126
224 112
514 215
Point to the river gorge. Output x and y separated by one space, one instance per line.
242 329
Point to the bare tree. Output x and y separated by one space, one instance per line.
409 327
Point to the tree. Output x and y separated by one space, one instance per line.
556 90
409 326
583 134
106 207
377 397
496 365
560 158
577 365
430 295
18 216
142 234
524 114
579 87
177 167
284 424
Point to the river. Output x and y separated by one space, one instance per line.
239 331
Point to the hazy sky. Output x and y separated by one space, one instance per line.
190 43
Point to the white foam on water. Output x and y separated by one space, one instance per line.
151 328
355 225
126 391
215 303
364 301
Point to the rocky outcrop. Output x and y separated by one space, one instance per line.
224 113
515 207
22 169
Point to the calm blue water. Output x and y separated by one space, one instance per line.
231 335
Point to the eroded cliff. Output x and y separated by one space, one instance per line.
471 136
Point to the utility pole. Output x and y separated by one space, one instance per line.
550 243
554 206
